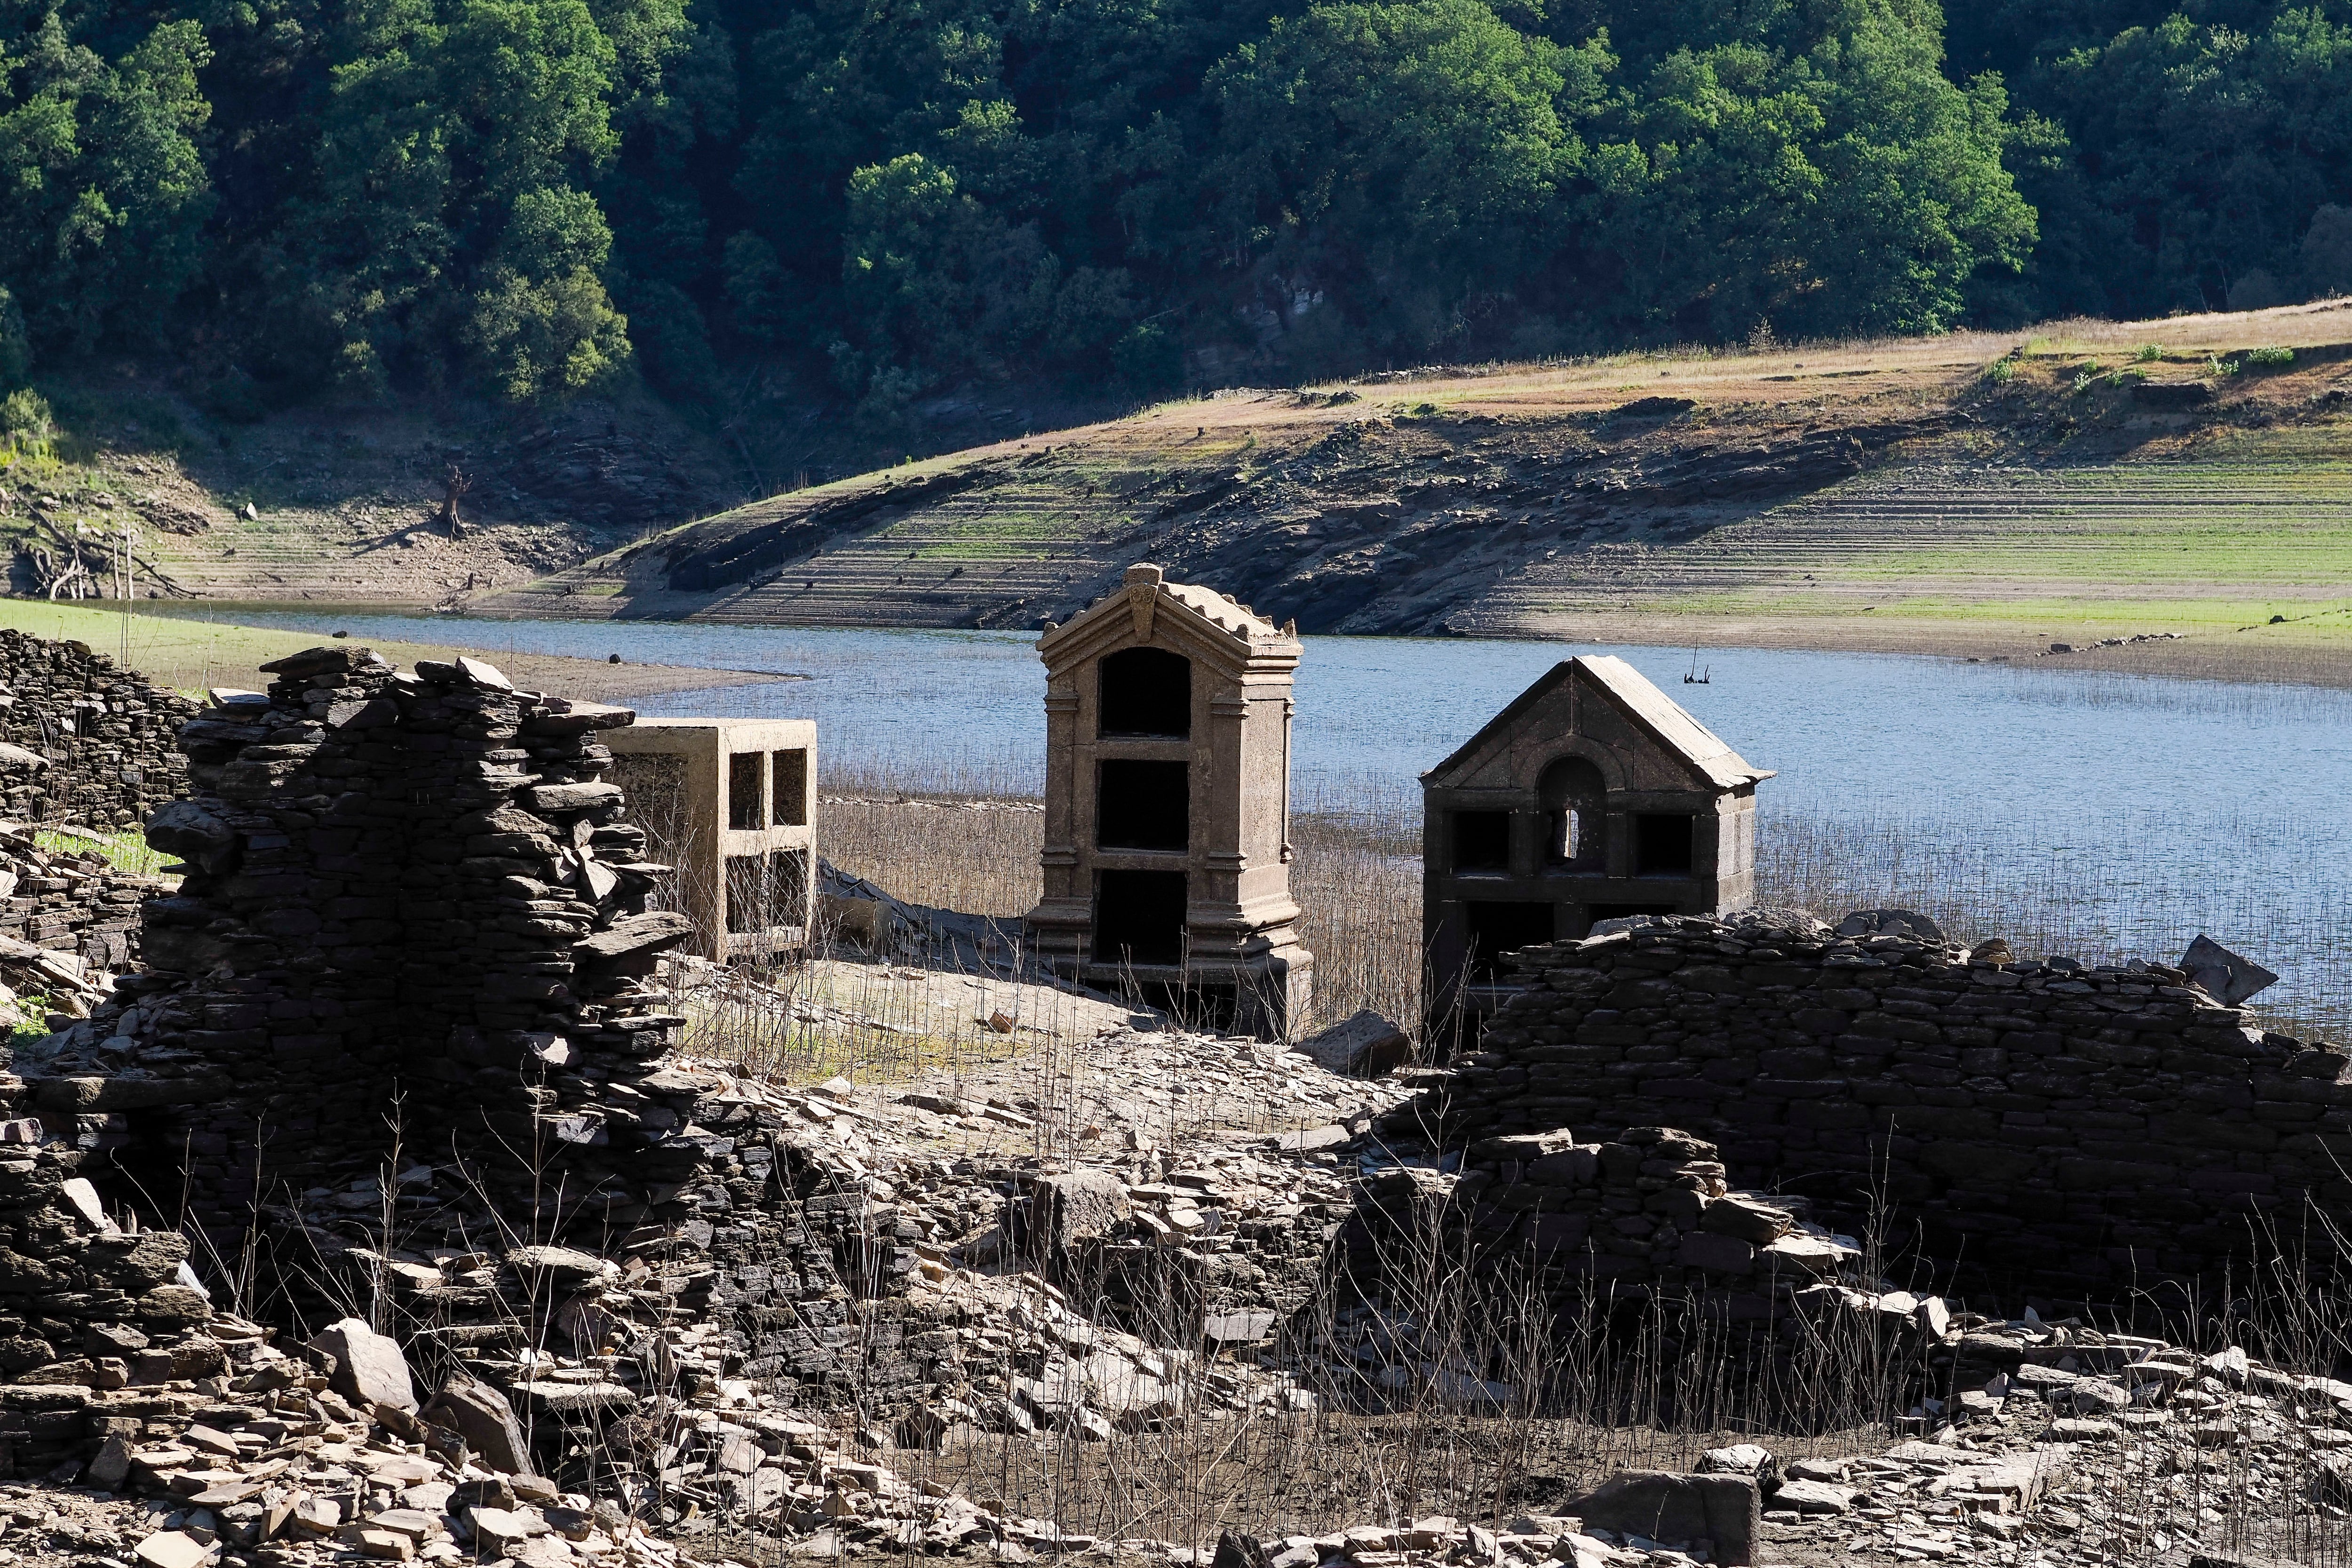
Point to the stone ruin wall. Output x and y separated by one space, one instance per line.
70 904
394 882
1643 1212
109 735
2083 1133
412 883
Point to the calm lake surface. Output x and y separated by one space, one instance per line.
2129 812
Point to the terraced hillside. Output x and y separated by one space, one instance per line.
2191 542
1991 494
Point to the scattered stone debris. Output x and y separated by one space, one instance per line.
2063 648
711 1303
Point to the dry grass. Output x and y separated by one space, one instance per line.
1357 879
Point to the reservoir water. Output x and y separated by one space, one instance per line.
2123 814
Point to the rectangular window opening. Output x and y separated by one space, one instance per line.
1482 840
746 792
1143 805
1144 691
789 773
1662 845
1140 917
765 891
1495 928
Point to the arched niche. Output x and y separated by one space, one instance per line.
1569 794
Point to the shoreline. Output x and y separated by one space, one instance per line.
191 655
2284 654
2309 650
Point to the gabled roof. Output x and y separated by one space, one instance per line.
1665 720
1145 590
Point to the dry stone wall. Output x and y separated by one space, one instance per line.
2082 1132
68 918
414 910
109 735
401 888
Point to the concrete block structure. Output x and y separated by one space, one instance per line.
729 803
1167 857
1592 795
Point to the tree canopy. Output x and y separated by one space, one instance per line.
534 198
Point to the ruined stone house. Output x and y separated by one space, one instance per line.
1592 797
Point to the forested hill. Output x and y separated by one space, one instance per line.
294 200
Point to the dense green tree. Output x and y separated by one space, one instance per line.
536 198
103 194
1850 187
1402 160
2213 148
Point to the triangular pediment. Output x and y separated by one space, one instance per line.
1604 678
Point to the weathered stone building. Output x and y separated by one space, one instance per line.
1591 796
1167 858
404 895
728 805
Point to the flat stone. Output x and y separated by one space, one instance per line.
576 1398
1071 1209
1367 1044
412 1523
1237 1328
482 674
1813 1497
1310 1139
1679 1511
635 934
173 1549
481 1416
1757 1223
502 1529
566 1263
1739 1459
369 1368
383 1545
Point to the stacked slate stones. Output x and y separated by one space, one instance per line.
1646 1212
68 919
108 735
2078 1132
404 893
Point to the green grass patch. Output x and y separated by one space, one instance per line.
123 851
981 550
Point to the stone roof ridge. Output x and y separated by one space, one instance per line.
1222 611
1667 721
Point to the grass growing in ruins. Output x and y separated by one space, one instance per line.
123 851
